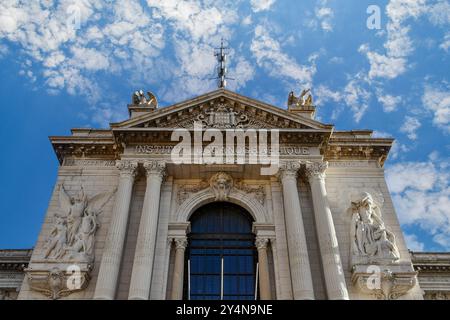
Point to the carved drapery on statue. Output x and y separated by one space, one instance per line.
375 264
371 241
73 234
68 255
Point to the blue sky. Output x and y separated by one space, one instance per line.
70 63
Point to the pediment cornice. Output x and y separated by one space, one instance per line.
222 109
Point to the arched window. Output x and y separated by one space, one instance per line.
221 231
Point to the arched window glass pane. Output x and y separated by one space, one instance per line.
221 231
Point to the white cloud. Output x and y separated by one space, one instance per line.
381 134
413 243
388 101
437 100
242 72
384 66
357 98
89 59
421 196
261 5
354 95
410 126
325 15
398 44
247 20
445 43
270 56
439 13
200 20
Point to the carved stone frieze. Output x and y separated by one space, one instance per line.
184 191
386 283
258 192
59 280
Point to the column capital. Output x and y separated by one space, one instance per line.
288 169
316 169
127 167
180 243
261 243
155 167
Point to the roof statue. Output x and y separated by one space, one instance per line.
304 100
139 99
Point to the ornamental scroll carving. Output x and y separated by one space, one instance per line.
222 116
221 185
257 191
184 191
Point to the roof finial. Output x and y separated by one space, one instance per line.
221 54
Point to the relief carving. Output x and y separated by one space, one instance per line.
221 184
371 241
223 117
72 235
184 191
258 192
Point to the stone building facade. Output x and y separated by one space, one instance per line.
133 217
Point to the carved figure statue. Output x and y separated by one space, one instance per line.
57 240
140 99
75 225
73 209
371 242
300 101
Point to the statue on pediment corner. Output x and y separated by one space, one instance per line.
303 100
139 99
371 241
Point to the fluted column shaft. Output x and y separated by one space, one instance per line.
178 271
112 254
298 252
263 262
141 275
328 244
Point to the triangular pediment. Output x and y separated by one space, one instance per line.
221 109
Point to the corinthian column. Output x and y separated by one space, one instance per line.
263 262
112 254
329 249
141 275
298 252
178 271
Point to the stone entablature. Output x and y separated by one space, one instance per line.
298 134
12 265
434 274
